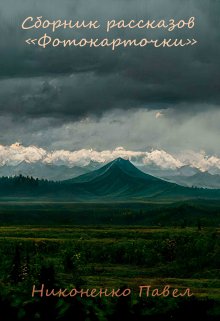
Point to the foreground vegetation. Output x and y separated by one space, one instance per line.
110 257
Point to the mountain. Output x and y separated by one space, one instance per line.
185 176
43 171
121 179
118 166
157 171
118 180
200 179
188 171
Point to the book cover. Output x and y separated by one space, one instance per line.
109 160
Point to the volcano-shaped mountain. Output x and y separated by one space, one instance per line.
119 180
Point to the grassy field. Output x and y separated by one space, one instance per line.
75 245
111 257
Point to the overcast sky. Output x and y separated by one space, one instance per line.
137 98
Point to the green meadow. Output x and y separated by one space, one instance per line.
109 246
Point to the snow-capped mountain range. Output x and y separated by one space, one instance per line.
187 169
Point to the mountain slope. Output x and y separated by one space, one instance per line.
118 164
119 180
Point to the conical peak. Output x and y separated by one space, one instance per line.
121 160
122 164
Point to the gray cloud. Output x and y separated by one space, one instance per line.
17 153
90 81
139 130
75 98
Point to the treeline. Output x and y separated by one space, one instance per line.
25 185
181 214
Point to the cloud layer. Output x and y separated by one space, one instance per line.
74 83
139 98
134 130
17 153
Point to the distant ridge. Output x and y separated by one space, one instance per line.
117 180
184 176
42 170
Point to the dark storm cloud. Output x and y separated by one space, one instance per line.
71 83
